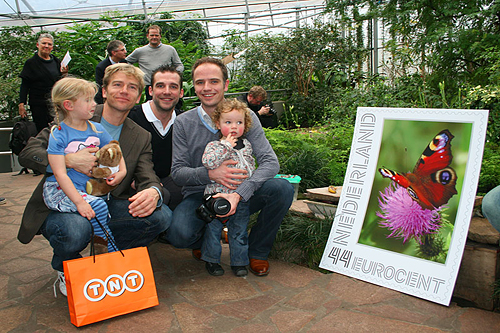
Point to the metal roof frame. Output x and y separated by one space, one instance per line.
244 15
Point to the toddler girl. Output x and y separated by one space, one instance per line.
233 119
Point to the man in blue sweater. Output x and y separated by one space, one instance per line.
192 131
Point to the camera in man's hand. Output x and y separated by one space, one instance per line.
211 207
272 110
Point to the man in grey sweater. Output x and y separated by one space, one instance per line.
153 55
192 131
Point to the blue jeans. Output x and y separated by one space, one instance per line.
237 237
272 199
491 207
70 233
55 199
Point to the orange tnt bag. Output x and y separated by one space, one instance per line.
115 284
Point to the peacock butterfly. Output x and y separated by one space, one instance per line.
432 182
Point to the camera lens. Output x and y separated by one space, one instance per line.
220 206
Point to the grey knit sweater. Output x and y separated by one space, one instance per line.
150 58
192 134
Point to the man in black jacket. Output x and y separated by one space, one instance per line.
157 117
117 53
256 101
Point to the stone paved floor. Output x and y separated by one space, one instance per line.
290 299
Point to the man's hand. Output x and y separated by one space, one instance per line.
143 203
233 198
82 161
264 110
22 110
224 175
64 70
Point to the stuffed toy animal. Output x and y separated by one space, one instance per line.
108 160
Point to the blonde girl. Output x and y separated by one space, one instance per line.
64 191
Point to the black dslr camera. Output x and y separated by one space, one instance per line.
210 207
271 108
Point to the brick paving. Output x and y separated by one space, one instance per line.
290 299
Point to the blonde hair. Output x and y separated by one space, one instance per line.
128 70
70 88
229 105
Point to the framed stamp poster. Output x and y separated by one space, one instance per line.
407 199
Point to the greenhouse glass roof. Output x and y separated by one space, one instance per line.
249 15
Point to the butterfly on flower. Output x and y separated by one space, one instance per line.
432 181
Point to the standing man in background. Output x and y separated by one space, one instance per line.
116 53
39 74
153 55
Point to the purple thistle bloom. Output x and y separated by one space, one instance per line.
404 217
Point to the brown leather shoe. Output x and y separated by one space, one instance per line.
259 267
100 245
197 254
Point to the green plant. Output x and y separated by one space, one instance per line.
318 155
496 292
490 169
317 57
452 41
301 239
488 98
17 44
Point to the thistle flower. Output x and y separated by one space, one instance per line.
404 217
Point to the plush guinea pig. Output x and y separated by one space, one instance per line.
108 159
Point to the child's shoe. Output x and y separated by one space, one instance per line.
214 269
61 283
240 271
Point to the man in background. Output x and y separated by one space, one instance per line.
256 101
153 55
116 53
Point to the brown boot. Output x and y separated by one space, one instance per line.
100 245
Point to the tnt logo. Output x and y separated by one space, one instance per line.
115 285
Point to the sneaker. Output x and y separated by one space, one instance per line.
2 201
62 284
239 270
214 269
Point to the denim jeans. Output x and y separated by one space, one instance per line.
237 237
55 199
272 199
69 233
491 207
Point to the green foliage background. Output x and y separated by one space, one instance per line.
87 45
442 55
